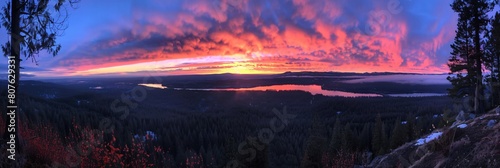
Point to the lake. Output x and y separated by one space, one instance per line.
313 89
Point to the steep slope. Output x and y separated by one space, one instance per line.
470 143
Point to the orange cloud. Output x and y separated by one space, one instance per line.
266 37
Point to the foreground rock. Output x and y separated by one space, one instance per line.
467 143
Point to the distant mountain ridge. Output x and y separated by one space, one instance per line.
351 73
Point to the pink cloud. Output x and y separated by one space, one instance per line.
276 36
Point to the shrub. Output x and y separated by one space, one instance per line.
339 159
443 143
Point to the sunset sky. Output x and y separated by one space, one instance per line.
120 37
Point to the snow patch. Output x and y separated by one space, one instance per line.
462 126
429 138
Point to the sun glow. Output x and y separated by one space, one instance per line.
241 68
193 65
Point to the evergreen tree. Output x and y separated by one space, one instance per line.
180 151
32 28
410 127
364 137
467 53
336 141
348 139
399 135
493 52
314 146
377 134
384 141
261 158
461 63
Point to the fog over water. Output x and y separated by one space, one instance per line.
406 79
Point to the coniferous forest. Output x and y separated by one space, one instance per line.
297 117
215 129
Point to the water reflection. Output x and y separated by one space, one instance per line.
313 89
153 85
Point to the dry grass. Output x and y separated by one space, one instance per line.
459 144
443 143
486 153
473 146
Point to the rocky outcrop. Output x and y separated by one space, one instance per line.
467 143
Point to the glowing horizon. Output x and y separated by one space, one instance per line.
251 37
